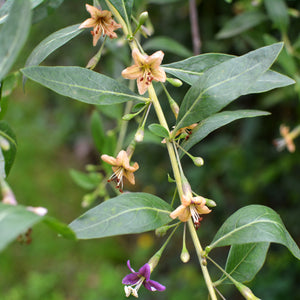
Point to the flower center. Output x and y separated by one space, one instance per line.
133 289
117 176
147 76
195 216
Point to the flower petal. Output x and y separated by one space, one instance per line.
109 159
145 271
129 176
159 74
122 159
142 86
180 210
153 286
132 72
88 23
129 267
155 59
92 10
138 57
131 278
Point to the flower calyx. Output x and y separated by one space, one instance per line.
145 69
121 168
102 23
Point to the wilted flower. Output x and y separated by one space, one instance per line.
191 207
145 69
102 23
135 280
121 167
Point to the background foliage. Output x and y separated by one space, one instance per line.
241 164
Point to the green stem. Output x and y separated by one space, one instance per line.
199 252
163 122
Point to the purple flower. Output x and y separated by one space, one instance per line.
134 280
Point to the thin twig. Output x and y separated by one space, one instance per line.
195 27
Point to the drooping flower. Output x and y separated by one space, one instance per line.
191 207
135 280
102 23
145 69
287 139
121 168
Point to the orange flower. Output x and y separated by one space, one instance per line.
121 167
191 207
145 69
102 22
287 139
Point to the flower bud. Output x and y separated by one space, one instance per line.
184 256
4 144
210 203
245 291
128 117
143 17
161 231
41 211
175 82
139 136
198 161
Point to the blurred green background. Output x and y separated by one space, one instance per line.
242 166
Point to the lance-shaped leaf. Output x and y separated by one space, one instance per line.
241 23
51 43
81 84
210 124
244 262
253 224
124 214
13 34
222 84
123 7
60 228
14 220
8 148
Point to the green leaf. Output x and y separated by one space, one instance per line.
124 7
159 130
191 68
269 81
210 124
13 34
8 149
59 227
87 181
253 224
222 84
241 23
125 214
81 84
244 261
278 13
51 43
15 220
168 45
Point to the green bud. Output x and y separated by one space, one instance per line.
88 199
198 161
143 17
128 117
175 82
4 144
245 291
184 256
161 231
210 203
170 179
139 136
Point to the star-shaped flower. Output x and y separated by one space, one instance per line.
135 280
287 139
191 207
102 23
145 69
121 167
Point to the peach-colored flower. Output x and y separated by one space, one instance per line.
145 69
102 23
191 207
121 167
287 139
